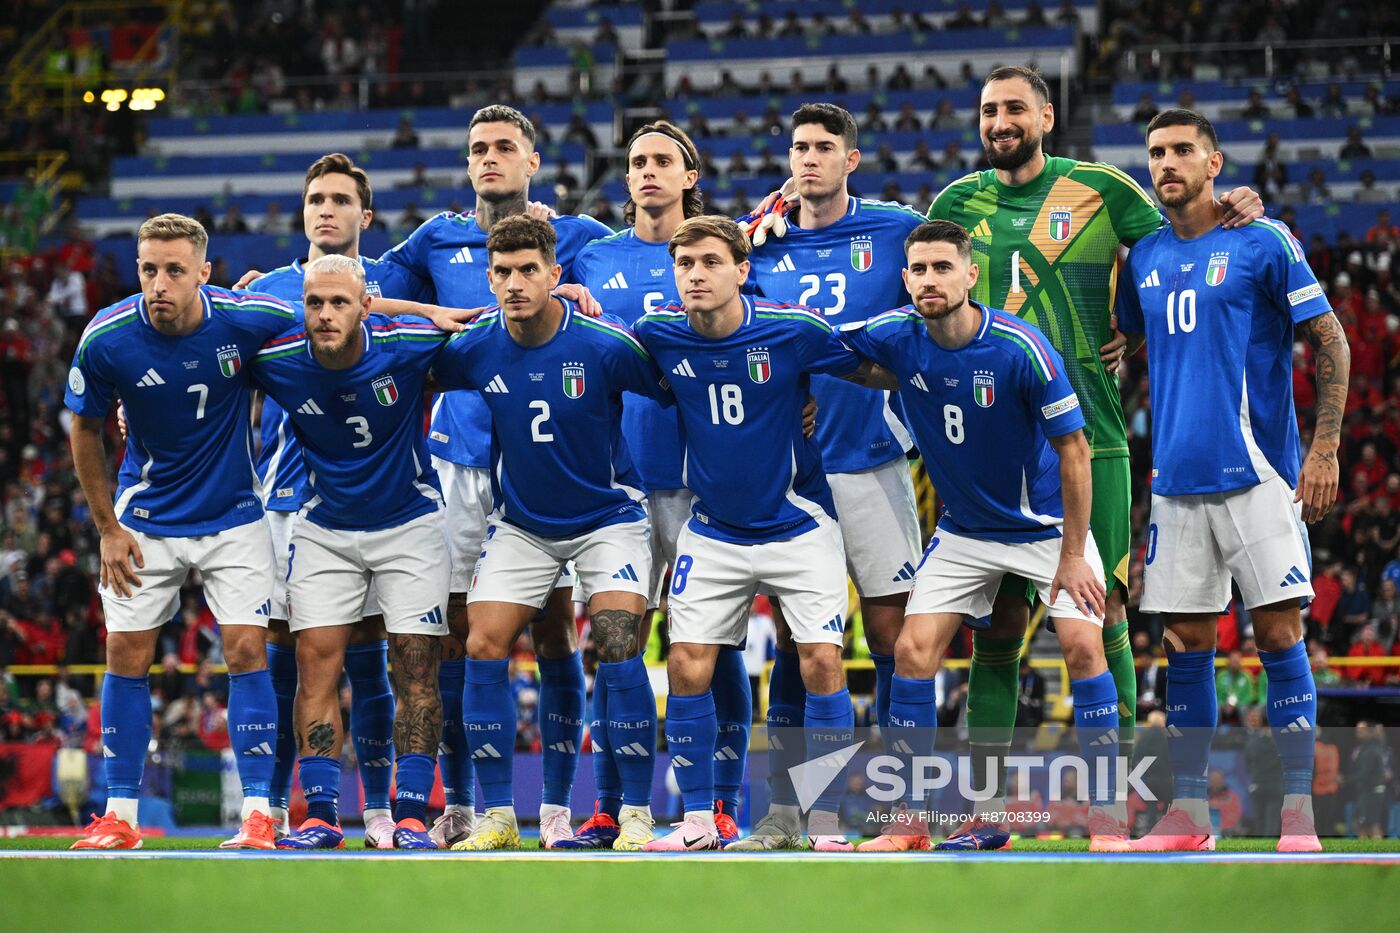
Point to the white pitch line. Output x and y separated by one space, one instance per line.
1155 858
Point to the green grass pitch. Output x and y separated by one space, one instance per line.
690 892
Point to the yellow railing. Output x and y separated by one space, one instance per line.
28 86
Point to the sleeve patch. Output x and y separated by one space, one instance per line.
1068 403
1306 293
76 382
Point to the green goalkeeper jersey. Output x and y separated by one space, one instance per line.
1047 251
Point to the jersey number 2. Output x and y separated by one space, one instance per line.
537 432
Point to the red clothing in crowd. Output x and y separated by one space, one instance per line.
1327 593
1375 676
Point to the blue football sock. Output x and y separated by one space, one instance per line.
454 757
913 721
605 773
734 713
691 728
126 733
282 662
1096 723
372 719
563 694
488 713
252 729
884 671
830 726
320 782
787 746
413 783
1292 700
631 727
1192 714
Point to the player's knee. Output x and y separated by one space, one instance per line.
484 645
553 640
128 656
822 668
246 651
368 630
453 648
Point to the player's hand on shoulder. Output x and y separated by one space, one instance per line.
1243 206
1077 577
449 320
1317 484
119 551
121 420
771 214
580 296
248 278
540 211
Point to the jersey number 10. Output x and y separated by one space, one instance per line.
1181 311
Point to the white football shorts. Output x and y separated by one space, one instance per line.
1197 543
330 573
235 565
516 566
880 525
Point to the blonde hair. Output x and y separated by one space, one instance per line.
175 227
336 264
695 229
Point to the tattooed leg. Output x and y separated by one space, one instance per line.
617 625
418 718
316 713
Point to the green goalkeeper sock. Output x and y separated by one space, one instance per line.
1119 653
993 688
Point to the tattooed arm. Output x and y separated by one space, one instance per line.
418 719
1317 483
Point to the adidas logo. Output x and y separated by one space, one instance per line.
983 229
637 750
726 754
626 573
1152 281
1295 577
462 255
1173 732
905 573
566 747
617 281
680 761
836 625
903 748
152 378
497 385
1300 724
683 369
262 748
309 407
108 753
485 751
265 609
378 763
1108 738
444 748
432 618
784 265
917 381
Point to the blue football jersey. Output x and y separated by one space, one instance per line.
560 466
981 415
850 271
280 467
630 277
361 429
755 476
450 251
188 468
1218 313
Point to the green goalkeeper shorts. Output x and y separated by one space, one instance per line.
1108 520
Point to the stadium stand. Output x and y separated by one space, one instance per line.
235 139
